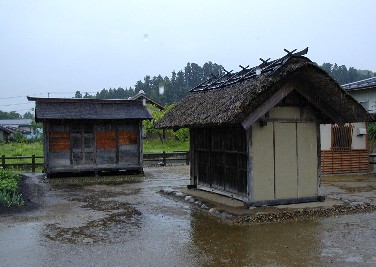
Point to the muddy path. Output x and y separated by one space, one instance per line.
131 224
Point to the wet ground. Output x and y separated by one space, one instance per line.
132 224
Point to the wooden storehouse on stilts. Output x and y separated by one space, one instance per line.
91 135
254 134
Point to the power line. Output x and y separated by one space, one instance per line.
16 104
10 97
48 93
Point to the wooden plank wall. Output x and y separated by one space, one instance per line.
221 158
92 144
344 161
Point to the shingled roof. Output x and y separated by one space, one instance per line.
233 97
88 109
360 85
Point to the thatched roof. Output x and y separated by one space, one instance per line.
232 100
88 109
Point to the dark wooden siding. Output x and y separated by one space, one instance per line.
105 139
82 140
59 145
129 151
91 145
221 158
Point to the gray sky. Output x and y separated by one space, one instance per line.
62 46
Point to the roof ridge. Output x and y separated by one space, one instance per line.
229 78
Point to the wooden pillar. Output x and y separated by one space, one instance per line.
319 156
193 159
140 147
249 164
33 163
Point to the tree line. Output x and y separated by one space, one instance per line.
343 75
13 115
179 83
164 90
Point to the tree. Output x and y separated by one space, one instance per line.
78 94
28 115
4 115
157 114
343 75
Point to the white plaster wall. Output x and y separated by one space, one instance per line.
366 95
359 141
325 136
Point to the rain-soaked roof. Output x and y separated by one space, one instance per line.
359 85
233 97
93 109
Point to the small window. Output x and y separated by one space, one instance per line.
342 137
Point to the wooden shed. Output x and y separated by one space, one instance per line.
91 135
255 135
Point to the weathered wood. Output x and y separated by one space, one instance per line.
344 161
267 105
319 103
81 144
221 159
249 165
274 202
319 172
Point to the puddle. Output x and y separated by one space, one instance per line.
131 224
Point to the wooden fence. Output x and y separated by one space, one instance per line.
30 164
33 162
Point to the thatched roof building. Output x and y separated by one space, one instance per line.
255 133
230 99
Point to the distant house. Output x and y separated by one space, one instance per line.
24 124
91 135
255 134
141 96
364 92
10 127
5 134
345 148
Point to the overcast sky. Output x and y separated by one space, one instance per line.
59 47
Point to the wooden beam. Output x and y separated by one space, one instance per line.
320 104
267 105
250 186
274 202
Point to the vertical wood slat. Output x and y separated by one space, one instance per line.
344 161
341 137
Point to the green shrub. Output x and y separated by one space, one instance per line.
10 198
9 185
372 131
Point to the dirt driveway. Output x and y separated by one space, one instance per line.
132 224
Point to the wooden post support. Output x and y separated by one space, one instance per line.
187 158
3 161
33 163
164 158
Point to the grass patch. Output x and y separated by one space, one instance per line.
170 145
21 149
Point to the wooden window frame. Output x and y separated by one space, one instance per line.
341 137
